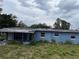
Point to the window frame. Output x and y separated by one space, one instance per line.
56 34
42 34
73 36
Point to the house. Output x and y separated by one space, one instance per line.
20 35
27 35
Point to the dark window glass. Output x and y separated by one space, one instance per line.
42 34
72 36
56 34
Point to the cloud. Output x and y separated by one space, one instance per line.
69 10
43 11
28 3
1 3
68 5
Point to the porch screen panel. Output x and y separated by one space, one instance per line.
18 36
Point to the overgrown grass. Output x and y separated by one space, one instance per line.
40 51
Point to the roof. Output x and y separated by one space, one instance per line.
16 30
58 30
20 30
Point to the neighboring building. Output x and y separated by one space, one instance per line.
27 35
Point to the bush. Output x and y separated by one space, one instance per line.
33 42
61 42
43 40
12 42
2 38
53 41
68 42
38 42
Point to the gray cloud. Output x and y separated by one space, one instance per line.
43 4
68 5
23 3
43 11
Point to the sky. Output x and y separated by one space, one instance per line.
43 11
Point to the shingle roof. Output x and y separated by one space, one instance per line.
58 30
33 30
16 30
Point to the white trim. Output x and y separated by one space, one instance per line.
42 37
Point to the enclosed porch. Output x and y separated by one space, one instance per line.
19 35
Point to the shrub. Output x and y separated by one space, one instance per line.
61 42
38 42
33 42
2 38
43 41
68 42
12 42
53 41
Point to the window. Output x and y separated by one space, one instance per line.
42 34
56 34
73 37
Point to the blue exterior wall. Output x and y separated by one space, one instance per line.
48 36
61 38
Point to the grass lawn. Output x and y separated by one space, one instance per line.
39 51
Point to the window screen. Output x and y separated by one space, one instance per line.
42 34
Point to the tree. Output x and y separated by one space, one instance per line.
7 20
57 24
22 25
0 10
61 24
40 26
